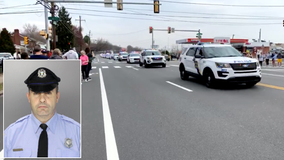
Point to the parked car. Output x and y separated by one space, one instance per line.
4 56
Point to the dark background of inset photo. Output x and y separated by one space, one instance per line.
16 104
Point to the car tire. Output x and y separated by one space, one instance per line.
183 74
140 64
145 64
164 65
209 79
250 84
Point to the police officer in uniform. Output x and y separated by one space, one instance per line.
44 132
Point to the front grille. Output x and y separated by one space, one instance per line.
137 59
243 66
157 58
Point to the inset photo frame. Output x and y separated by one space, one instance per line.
42 109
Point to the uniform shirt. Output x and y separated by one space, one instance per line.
25 132
38 57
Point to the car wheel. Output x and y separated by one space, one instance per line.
209 79
145 64
140 64
183 74
164 65
250 84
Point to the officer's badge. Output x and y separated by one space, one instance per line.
41 73
68 142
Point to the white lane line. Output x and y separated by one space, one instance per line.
179 86
135 68
116 66
104 66
98 60
276 75
94 67
174 65
128 66
1 154
111 147
102 62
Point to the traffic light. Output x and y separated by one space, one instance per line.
283 23
151 30
26 40
156 6
119 5
169 30
46 36
69 43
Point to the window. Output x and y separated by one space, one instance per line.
190 52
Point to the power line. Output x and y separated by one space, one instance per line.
124 33
18 6
198 13
25 12
227 5
173 20
181 16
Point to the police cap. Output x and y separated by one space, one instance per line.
42 80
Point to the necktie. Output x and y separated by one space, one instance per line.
43 142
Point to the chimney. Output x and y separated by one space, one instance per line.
17 37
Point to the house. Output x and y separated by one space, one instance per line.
18 40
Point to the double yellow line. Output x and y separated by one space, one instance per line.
270 86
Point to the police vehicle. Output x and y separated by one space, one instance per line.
218 63
151 57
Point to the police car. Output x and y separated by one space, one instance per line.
151 57
218 63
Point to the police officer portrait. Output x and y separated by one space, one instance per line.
42 105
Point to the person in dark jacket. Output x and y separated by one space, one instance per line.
90 56
56 54
38 54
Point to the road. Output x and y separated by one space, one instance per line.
156 115
138 113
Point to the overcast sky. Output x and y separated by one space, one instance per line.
131 26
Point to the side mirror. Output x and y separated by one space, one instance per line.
199 56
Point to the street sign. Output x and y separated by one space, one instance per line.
108 3
199 34
224 40
53 18
173 30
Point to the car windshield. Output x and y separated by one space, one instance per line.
222 52
4 55
116 54
152 53
134 55
123 54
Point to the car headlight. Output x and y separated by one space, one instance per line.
223 65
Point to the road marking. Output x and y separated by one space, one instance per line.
94 67
135 68
276 75
174 65
128 66
98 60
270 86
95 62
1 154
179 86
111 148
102 62
104 66
117 67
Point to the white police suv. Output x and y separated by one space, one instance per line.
152 57
218 63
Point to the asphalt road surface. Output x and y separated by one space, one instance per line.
131 112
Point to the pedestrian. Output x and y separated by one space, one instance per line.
44 132
260 59
267 57
273 56
24 55
56 54
71 54
84 66
90 57
279 59
38 54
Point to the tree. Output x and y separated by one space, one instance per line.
78 38
64 31
6 43
87 39
32 31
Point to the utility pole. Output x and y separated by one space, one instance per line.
46 24
259 36
233 36
89 38
152 39
52 11
80 30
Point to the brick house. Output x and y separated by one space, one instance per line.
18 40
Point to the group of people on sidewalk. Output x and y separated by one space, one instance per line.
85 56
273 56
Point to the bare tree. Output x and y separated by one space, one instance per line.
33 32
